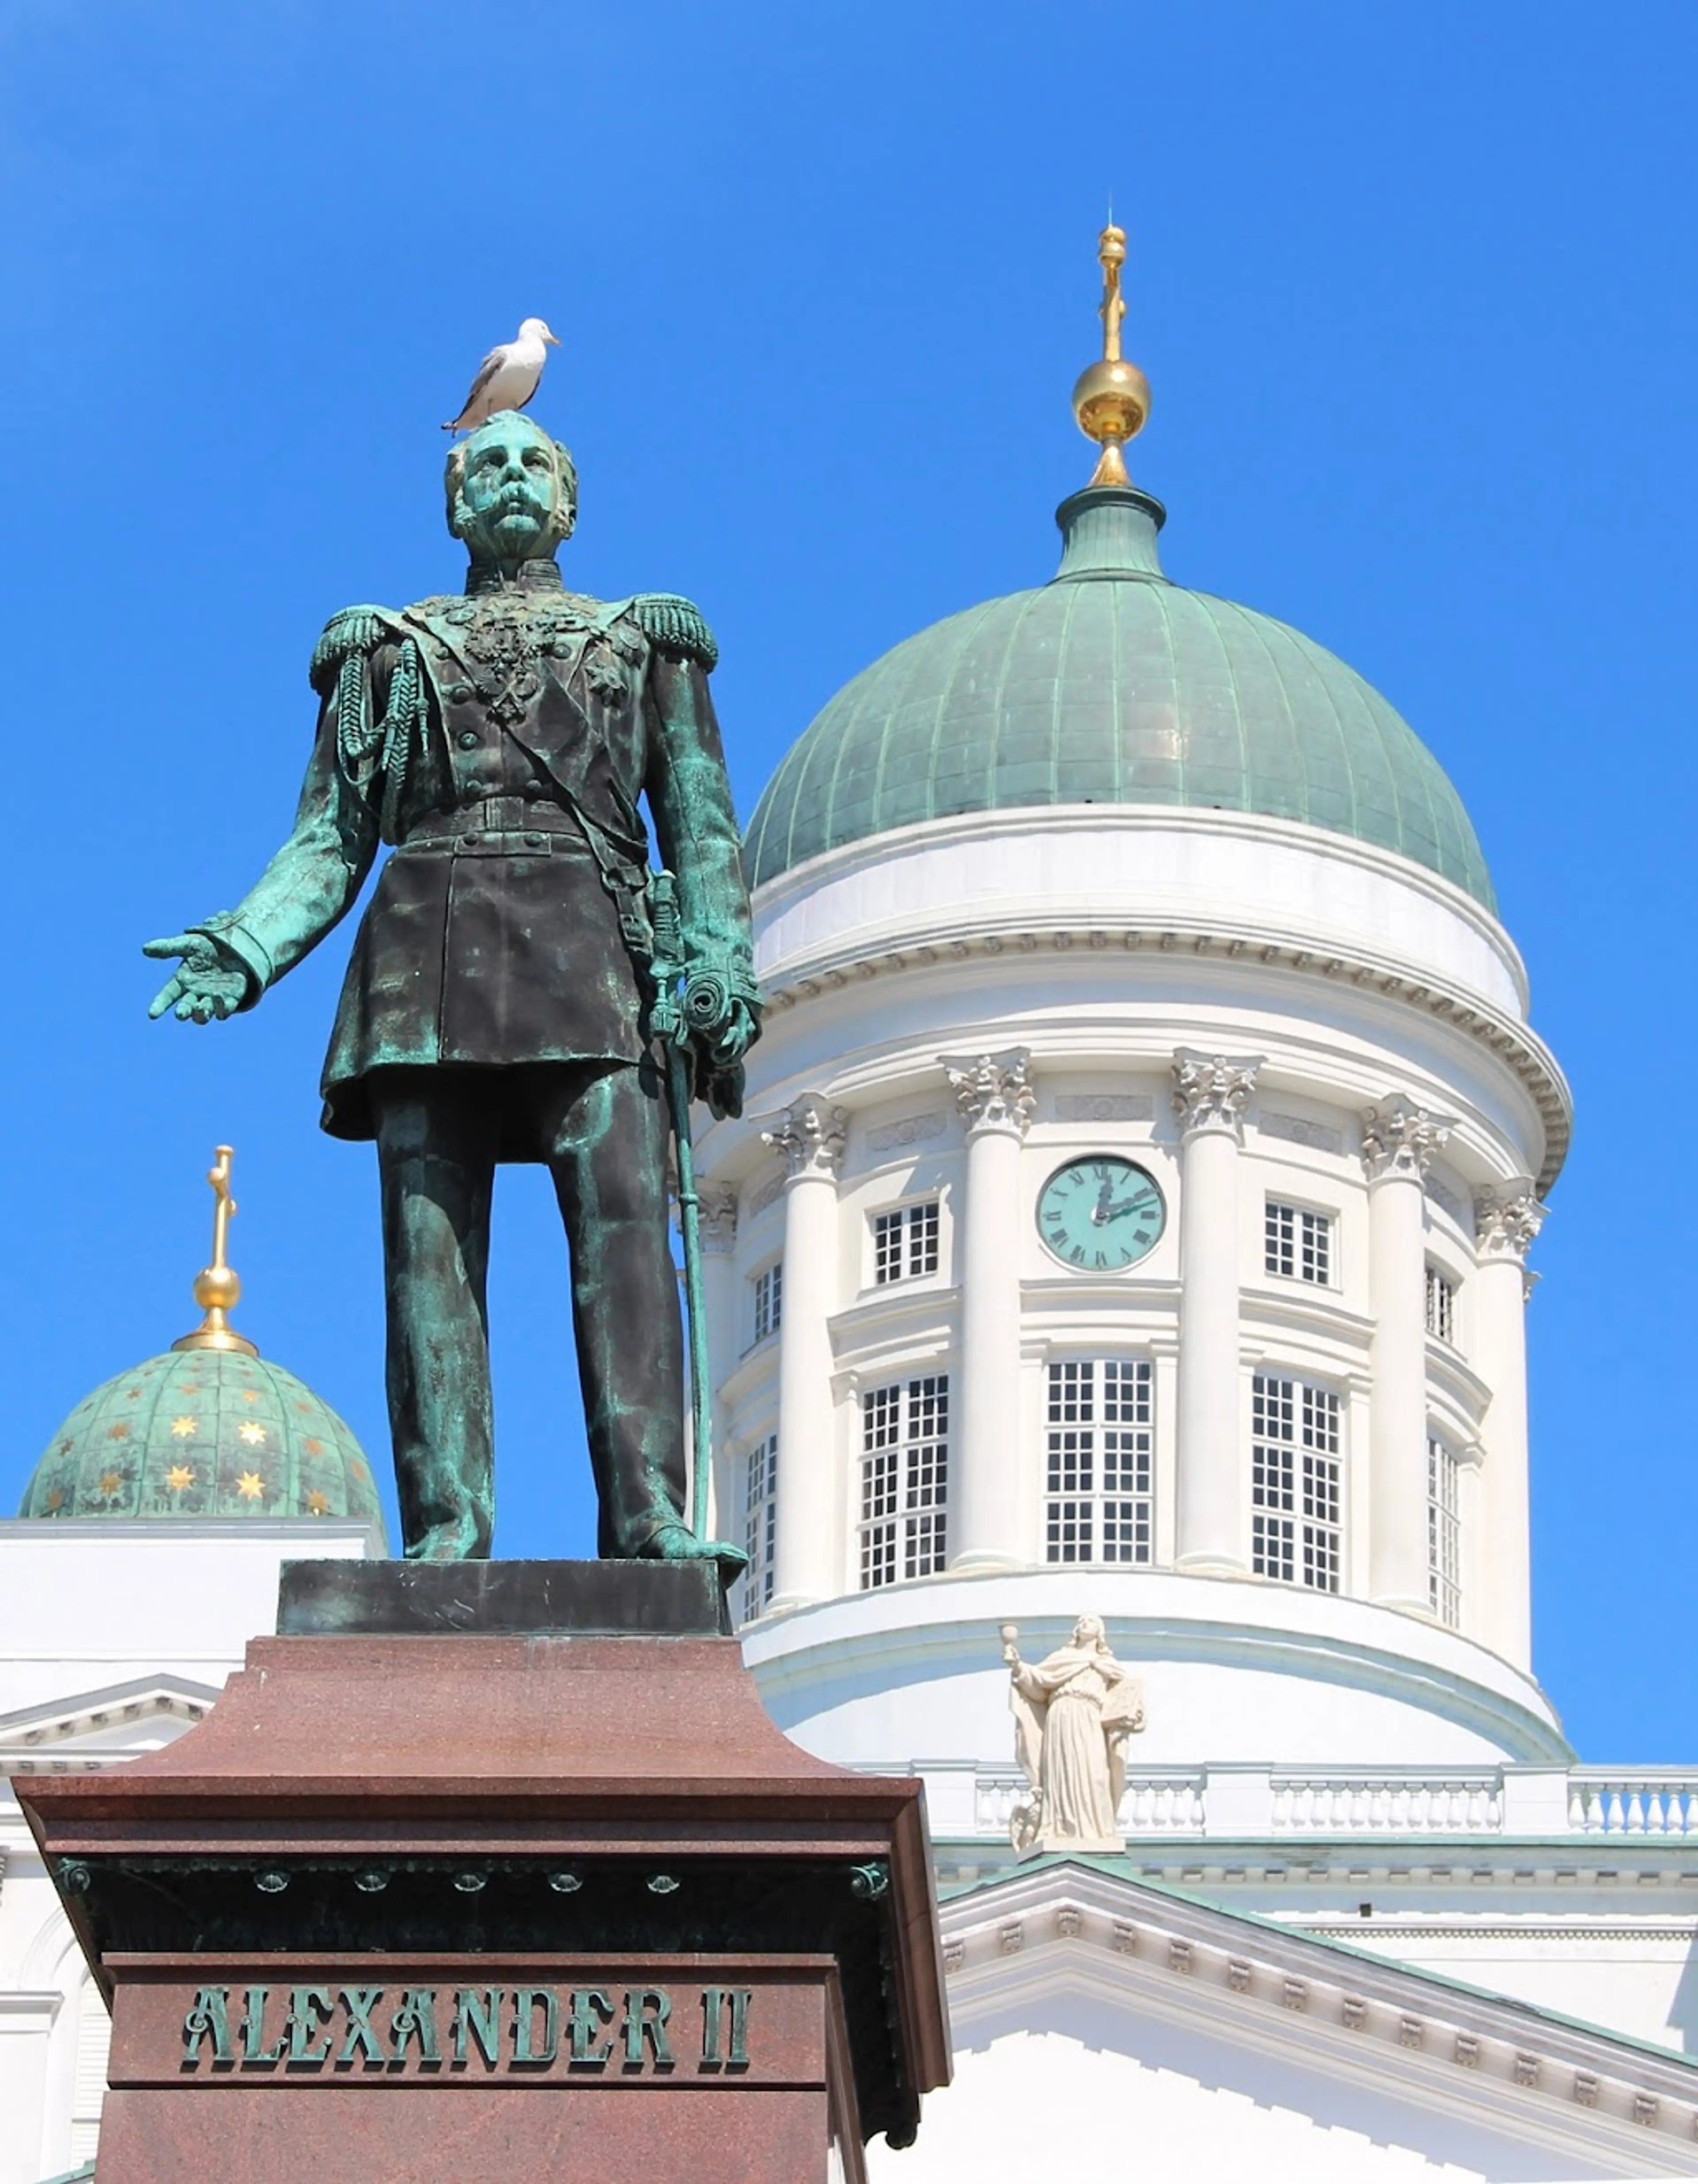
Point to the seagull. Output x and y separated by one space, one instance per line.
508 376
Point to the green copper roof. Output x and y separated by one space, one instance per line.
203 1433
1111 685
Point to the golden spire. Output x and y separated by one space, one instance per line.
1111 397
218 1287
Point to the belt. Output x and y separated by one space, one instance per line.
501 826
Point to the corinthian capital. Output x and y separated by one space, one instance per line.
809 1136
1506 1219
1399 1139
1209 1090
993 1091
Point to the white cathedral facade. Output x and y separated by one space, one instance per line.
1129 1219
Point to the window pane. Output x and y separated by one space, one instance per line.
1294 1458
1099 1461
904 1480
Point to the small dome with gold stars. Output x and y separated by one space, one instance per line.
208 1428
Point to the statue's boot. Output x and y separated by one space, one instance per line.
677 1543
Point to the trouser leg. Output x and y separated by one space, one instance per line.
608 1156
437 1163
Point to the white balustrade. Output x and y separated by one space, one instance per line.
1386 1801
1604 1803
1380 1801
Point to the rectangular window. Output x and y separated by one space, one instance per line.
1100 1457
1441 1305
769 1301
905 1439
1444 1544
760 1525
1295 1483
1298 1243
904 1242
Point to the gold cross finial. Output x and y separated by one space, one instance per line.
1111 397
218 1288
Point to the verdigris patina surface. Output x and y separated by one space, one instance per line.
497 1005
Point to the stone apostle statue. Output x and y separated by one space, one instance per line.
1072 1713
495 1008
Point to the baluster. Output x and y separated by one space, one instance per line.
1635 1812
1579 1819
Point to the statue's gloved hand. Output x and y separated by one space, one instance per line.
208 982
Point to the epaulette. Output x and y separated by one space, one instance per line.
676 625
355 629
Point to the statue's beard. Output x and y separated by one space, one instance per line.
516 530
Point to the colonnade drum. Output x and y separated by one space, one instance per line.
1302 1374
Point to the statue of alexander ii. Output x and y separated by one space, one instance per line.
497 1005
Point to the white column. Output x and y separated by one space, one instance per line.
808 1561
718 1230
1209 1096
994 1095
1399 1139
1507 1221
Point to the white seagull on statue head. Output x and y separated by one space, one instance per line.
508 376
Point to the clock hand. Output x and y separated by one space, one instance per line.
1125 1206
1100 1212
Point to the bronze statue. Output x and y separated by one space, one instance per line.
499 1003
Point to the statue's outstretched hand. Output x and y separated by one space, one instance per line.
206 984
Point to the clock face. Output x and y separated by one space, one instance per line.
1100 1214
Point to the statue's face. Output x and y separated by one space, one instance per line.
514 501
1089 1631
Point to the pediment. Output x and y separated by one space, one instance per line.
1263 2023
82 1732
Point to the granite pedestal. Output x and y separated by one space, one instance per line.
499 1864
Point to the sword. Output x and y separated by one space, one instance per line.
668 1021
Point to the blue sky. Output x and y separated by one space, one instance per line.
1413 286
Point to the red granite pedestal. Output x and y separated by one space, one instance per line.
416 1901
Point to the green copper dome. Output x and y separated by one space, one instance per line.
1111 685
203 1433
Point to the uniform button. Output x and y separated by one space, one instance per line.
469 739
470 839
533 841
460 692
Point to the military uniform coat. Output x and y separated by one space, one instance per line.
500 742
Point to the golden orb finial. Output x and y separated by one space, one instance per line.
218 1288
1112 397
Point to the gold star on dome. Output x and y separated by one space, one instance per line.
189 1388
132 1395
111 1483
250 1395
254 1434
305 1409
250 1486
312 1445
184 1426
178 1476
119 1432
56 1499
317 1503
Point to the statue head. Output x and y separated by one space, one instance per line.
512 492
1090 1634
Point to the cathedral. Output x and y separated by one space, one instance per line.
1115 1285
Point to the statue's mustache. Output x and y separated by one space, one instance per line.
517 499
